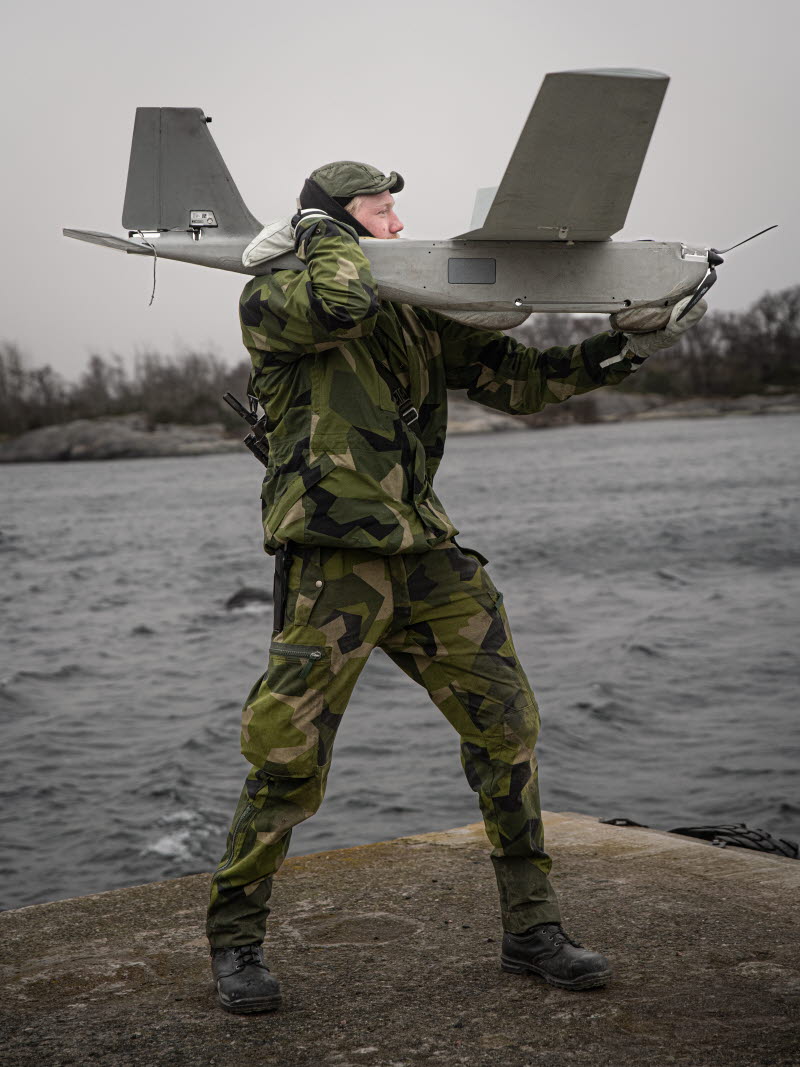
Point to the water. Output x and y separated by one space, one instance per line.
651 572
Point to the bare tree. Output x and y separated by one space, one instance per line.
727 354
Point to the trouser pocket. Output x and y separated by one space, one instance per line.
304 656
297 585
280 721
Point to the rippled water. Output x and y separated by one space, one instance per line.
651 572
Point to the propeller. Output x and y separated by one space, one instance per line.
714 260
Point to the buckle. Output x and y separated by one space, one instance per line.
409 413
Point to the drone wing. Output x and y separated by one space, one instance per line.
573 172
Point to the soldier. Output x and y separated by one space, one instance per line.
355 392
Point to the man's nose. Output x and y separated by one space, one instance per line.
395 225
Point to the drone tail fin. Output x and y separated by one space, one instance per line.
177 178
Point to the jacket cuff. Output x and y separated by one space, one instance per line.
604 352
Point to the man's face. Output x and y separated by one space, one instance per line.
376 213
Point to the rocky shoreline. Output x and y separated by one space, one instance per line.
130 437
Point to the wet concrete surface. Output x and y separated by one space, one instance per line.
388 954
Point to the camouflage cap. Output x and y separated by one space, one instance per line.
345 179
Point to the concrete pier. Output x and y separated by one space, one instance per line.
388 954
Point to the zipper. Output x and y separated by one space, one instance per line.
247 814
311 653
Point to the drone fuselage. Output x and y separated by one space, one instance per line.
581 276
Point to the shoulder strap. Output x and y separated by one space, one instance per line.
408 413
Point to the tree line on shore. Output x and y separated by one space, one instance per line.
729 353
185 388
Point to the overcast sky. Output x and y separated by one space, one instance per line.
438 90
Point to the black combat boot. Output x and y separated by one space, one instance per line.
547 951
243 981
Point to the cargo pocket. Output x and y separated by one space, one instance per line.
280 722
300 660
500 737
486 716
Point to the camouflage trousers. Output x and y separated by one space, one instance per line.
439 617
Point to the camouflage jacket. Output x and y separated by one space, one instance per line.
345 470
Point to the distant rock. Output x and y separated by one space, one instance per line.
700 407
617 405
464 416
247 597
129 437
116 437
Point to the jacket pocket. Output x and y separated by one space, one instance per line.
284 515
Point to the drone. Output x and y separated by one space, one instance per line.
540 241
